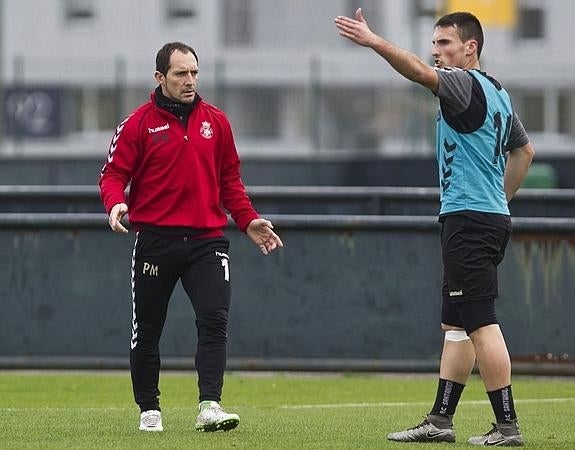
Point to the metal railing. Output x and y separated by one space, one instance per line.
348 200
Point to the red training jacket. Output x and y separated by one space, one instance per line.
178 177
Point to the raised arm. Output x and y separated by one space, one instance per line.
404 62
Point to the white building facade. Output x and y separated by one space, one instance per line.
72 69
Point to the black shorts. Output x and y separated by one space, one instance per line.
473 244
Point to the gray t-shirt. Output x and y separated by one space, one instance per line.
455 93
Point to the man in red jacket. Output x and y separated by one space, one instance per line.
178 155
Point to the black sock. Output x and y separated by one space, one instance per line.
447 398
502 404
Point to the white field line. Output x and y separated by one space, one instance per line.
318 406
403 404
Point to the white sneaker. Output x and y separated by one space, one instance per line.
424 432
151 421
214 418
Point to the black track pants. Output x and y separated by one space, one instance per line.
202 265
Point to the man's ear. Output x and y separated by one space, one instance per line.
160 78
470 47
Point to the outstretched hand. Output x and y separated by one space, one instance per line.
261 232
356 29
118 211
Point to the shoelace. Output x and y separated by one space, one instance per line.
151 421
492 431
217 411
421 425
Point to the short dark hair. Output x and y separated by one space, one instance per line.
163 55
468 27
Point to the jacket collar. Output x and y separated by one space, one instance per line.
176 108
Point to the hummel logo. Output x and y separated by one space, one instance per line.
162 128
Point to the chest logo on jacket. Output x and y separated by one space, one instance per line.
159 134
206 130
158 129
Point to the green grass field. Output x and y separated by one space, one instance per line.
94 410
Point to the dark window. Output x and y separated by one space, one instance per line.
180 9
426 8
255 111
353 119
531 23
567 113
107 108
98 107
73 110
237 22
79 10
533 112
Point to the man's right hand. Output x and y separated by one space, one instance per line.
118 211
356 29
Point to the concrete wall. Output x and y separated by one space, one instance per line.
343 287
